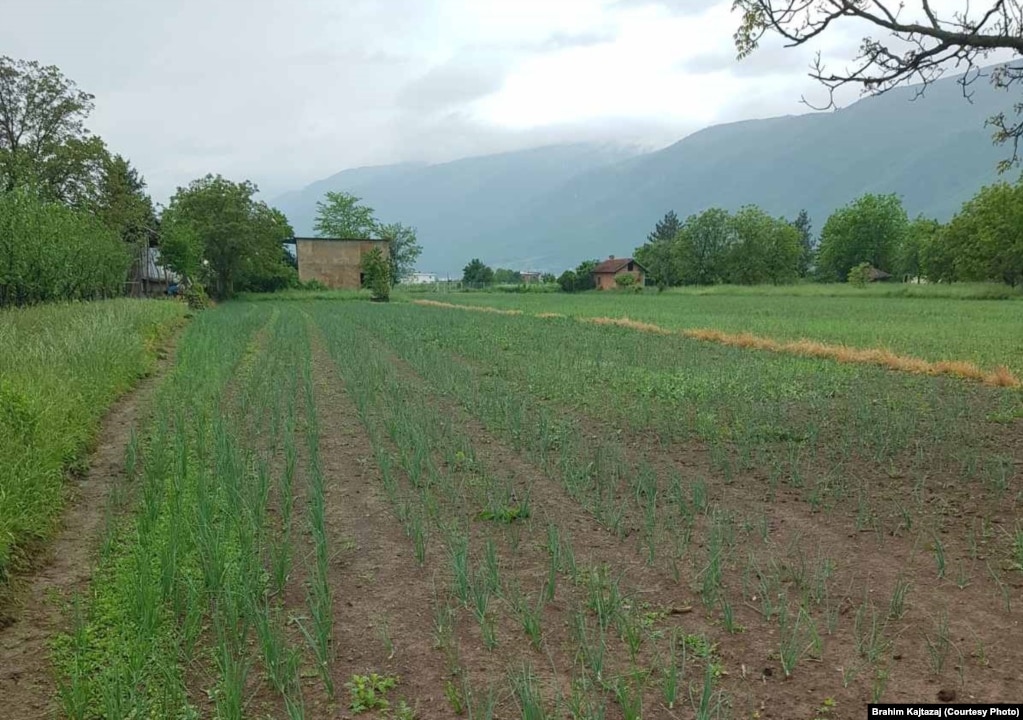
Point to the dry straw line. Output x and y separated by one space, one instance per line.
1001 376
473 308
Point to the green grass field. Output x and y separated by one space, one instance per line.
342 505
61 367
986 332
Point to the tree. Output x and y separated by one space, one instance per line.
504 276
762 249
404 250
908 264
476 274
807 250
914 43
123 204
236 237
376 270
656 254
584 275
702 244
983 241
868 230
567 281
340 215
43 139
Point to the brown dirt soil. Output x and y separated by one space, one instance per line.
27 683
982 666
377 585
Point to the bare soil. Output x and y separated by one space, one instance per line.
27 683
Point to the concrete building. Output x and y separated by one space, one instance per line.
335 262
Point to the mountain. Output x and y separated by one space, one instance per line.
548 208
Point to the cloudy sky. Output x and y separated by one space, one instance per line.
285 93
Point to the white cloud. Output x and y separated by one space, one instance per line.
286 93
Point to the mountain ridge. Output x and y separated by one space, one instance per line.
549 207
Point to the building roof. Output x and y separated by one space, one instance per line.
874 273
613 265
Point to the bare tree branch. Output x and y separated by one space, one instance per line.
908 48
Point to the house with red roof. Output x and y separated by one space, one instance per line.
606 273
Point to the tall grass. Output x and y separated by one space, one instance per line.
61 367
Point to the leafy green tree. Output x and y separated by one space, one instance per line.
984 240
804 227
477 274
920 234
43 139
548 278
340 215
376 270
123 204
869 230
761 249
702 245
239 236
404 249
584 279
51 252
567 281
657 255
504 276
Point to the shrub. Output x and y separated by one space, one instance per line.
859 275
377 275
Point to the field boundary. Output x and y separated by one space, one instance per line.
27 680
999 376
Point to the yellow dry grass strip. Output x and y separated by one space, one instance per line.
473 308
627 323
1000 376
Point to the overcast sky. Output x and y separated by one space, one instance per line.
285 93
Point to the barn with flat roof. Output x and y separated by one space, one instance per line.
335 262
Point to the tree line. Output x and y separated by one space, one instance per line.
981 243
76 221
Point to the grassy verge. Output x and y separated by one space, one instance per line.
61 367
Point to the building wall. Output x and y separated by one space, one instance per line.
335 263
606 281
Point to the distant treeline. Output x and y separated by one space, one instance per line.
981 243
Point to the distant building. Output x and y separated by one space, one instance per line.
605 273
420 278
530 277
335 262
876 275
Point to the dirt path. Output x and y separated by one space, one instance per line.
27 683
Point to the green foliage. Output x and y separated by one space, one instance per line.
869 230
50 252
122 203
808 249
567 281
910 256
657 255
237 240
504 276
61 366
197 298
404 249
368 691
477 274
983 241
340 215
746 248
377 274
859 276
43 140
625 281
